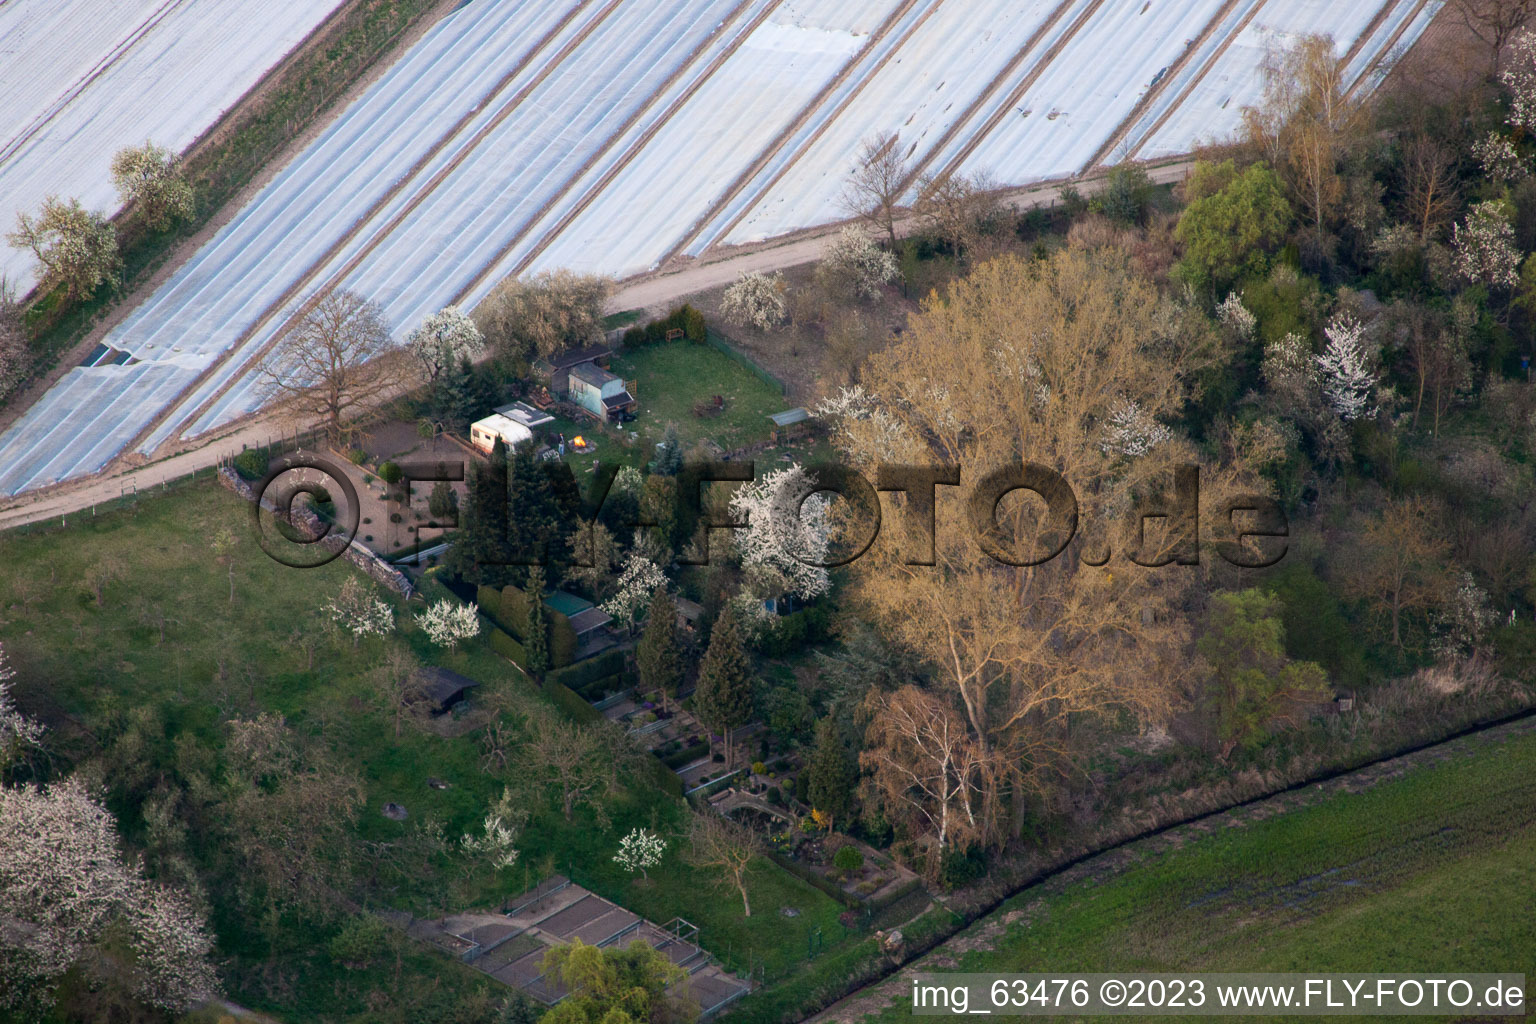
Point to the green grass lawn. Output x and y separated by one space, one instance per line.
220 658
673 376
1432 872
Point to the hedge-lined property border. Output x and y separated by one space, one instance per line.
583 673
567 700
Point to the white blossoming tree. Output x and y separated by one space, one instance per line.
640 851
1463 625
68 895
1499 158
447 622
17 731
355 610
445 339
1485 250
1346 379
1520 76
858 263
638 580
151 177
756 300
781 551
497 840
1288 368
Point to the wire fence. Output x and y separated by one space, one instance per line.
723 345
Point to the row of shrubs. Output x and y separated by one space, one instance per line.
686 756
684 318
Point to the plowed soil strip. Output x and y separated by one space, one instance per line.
1392 42
101 67
1194 83
592 193
1387 7
853 93
1150 96
1023 87
771 150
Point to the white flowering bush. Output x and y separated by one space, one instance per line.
640 851
1499 158
1485 250
172 947
17 731
445 339
355 610
497 840
496 843
781 550
1465 621
756 300
67 892
1346 380
1130 432
446 622
1288 368
1235 318
638 580
856 259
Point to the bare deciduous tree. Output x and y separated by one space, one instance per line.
956 208
875 188
718 842
397 681
544 315
1429 183
102 573
1306 124
567 755
336 363
287 818
1072 364
1437 353
928 768
1495 22
1401 562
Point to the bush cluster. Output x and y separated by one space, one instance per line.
251 464
684 318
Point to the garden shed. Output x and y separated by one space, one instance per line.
790 423
442 688
556 369
599 392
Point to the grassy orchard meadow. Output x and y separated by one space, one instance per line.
78 664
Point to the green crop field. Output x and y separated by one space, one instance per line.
1431 872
